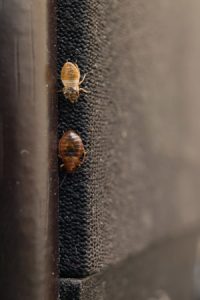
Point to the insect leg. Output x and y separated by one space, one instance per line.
82 79
84 157
61 184
81 90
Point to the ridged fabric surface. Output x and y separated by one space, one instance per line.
157 273
139 125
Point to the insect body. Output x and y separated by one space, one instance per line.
70 77
71 151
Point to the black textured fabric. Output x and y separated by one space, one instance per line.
140 181
157 273
81 34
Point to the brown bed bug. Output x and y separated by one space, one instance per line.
70 77
71 151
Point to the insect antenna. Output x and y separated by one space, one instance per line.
61 184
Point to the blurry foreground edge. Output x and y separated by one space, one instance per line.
28 174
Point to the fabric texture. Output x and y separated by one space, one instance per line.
140 182
157 273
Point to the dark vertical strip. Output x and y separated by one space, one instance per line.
82 38
28 163
73 191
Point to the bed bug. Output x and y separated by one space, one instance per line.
70 77
71 151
